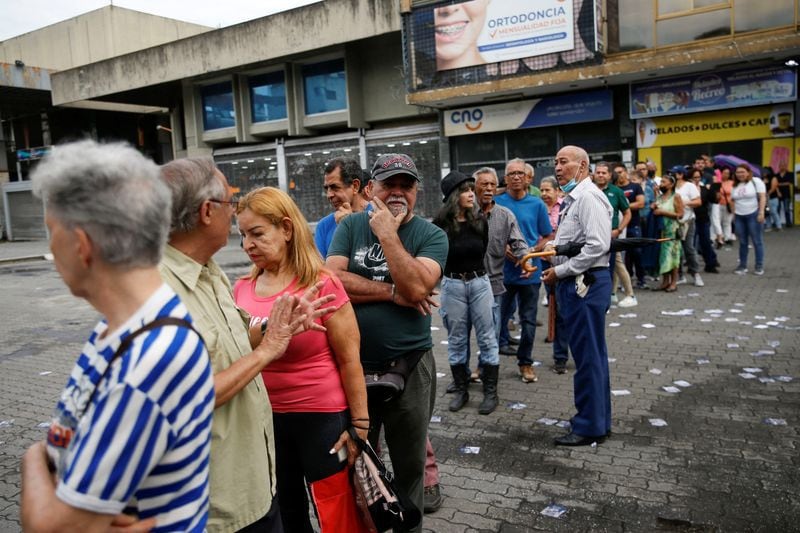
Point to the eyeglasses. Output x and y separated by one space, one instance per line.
515 174
234 203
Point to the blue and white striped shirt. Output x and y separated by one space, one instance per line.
143 444
585 218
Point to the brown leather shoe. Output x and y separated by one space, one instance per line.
527 373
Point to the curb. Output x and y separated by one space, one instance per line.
25 259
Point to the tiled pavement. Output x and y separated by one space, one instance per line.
715 466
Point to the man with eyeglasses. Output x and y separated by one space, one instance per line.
531 214
242 465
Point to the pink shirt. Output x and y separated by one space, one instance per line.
554 212
306 378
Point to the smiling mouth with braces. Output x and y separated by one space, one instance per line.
451 29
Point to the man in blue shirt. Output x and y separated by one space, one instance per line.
531 214
343 185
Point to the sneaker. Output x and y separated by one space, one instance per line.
740 270
758 272
698 281
614 298
560 367
681 281
628 301
527 373
431 499
508 350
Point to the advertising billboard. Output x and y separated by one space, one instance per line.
479 31
549 111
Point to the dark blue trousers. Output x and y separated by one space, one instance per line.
584 321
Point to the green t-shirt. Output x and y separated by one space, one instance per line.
619 203
387 330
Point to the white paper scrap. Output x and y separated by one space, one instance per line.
703 361
547 421
766 379
784 379
682 383
732 345
470 450
640 337
516 406
671 389
434 328
45 373
440 374
658 422
655 371
614 325
436 419
648 326
752 369
747 375
554 511
775 421
621 392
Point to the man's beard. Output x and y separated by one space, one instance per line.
397 209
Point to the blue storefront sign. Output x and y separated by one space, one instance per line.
712 91
30 154
549 111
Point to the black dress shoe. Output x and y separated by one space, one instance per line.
508 350
513 341
573 439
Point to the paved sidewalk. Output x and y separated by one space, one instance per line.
715 466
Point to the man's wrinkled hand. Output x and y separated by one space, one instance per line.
342 212
381 220
549 276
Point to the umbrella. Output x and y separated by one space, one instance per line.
731 161
571 249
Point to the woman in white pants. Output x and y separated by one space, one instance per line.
725 208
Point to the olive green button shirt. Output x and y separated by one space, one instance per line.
242 470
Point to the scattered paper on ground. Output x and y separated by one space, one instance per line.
436 419
621 392
547 421
682 383
658 422
554 511
516 406
470 450
670 388
655 371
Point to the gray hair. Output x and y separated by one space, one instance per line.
112 192
516 160
551 180
485 170
529 169
191 181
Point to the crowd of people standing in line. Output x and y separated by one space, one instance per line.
197 406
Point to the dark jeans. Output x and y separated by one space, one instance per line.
560 345
703 239
787 207
633 257
528 305
302 442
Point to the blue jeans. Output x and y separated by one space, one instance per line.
466 304
560 345
748 227
528 305
787 207
689 252
774 219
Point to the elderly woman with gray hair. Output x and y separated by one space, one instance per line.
131 430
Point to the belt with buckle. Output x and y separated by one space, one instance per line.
466 276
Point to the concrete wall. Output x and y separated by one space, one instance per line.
289 33
94 36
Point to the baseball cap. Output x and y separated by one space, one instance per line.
451 182
678 169
389 165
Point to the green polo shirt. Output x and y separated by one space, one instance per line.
242 470
619 203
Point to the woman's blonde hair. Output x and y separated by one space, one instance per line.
275 205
